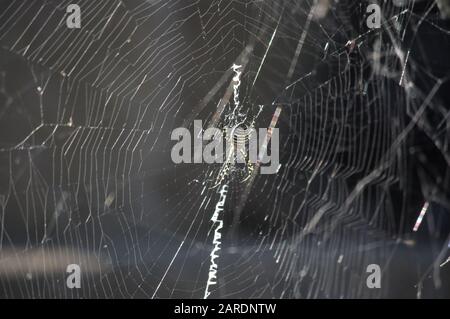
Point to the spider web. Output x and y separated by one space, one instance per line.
85 170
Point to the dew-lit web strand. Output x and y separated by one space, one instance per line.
217 218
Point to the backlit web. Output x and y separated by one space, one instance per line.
86 175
